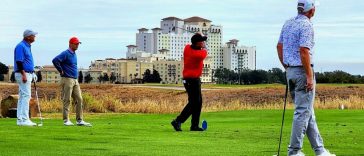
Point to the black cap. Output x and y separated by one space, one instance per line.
198 38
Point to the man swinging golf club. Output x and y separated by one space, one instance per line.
66 64
295 52
24 74
193 57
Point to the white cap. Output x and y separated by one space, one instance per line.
29 32
306 5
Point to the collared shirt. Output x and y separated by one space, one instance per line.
67 62
296 32
71 50
23 53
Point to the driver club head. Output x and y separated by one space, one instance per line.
204 125
41 122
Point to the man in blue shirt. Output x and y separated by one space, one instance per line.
295 52
24 74
66 64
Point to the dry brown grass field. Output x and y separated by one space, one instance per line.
131 99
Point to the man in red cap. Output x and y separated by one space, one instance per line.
66 64
193 57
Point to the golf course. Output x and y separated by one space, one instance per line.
136 120
246 132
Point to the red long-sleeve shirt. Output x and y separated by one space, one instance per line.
193 62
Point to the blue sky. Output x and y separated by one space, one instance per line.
106 27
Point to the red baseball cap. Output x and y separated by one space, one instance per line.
74 40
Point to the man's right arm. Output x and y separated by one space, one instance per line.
57 62
19 58
280 54
19 64
280 49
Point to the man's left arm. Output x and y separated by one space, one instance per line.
306 63
306 45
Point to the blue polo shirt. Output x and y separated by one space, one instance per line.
23 53
66 62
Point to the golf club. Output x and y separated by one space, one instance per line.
174 29
284 111
40 113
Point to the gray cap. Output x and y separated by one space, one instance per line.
29 32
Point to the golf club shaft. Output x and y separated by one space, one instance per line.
184 29
284 111
174 28
36 95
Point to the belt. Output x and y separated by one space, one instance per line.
192 79
297 66
30 72
68 77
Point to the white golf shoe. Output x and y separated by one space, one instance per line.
26 123
326 153
19 122
299 153
68 123
83 123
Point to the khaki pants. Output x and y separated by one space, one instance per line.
71 88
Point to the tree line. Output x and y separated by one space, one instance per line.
221 76
226 76
147 76
276 75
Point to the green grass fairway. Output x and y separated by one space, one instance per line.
250 133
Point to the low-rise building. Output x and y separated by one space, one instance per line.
125 70
170 71
50 74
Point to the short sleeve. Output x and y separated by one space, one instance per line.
19 53
306 36
280 40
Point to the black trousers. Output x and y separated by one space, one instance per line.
194 105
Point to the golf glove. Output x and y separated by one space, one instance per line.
35 77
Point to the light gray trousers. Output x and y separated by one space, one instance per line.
304 120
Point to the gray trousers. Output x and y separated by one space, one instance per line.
304 120
71 88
